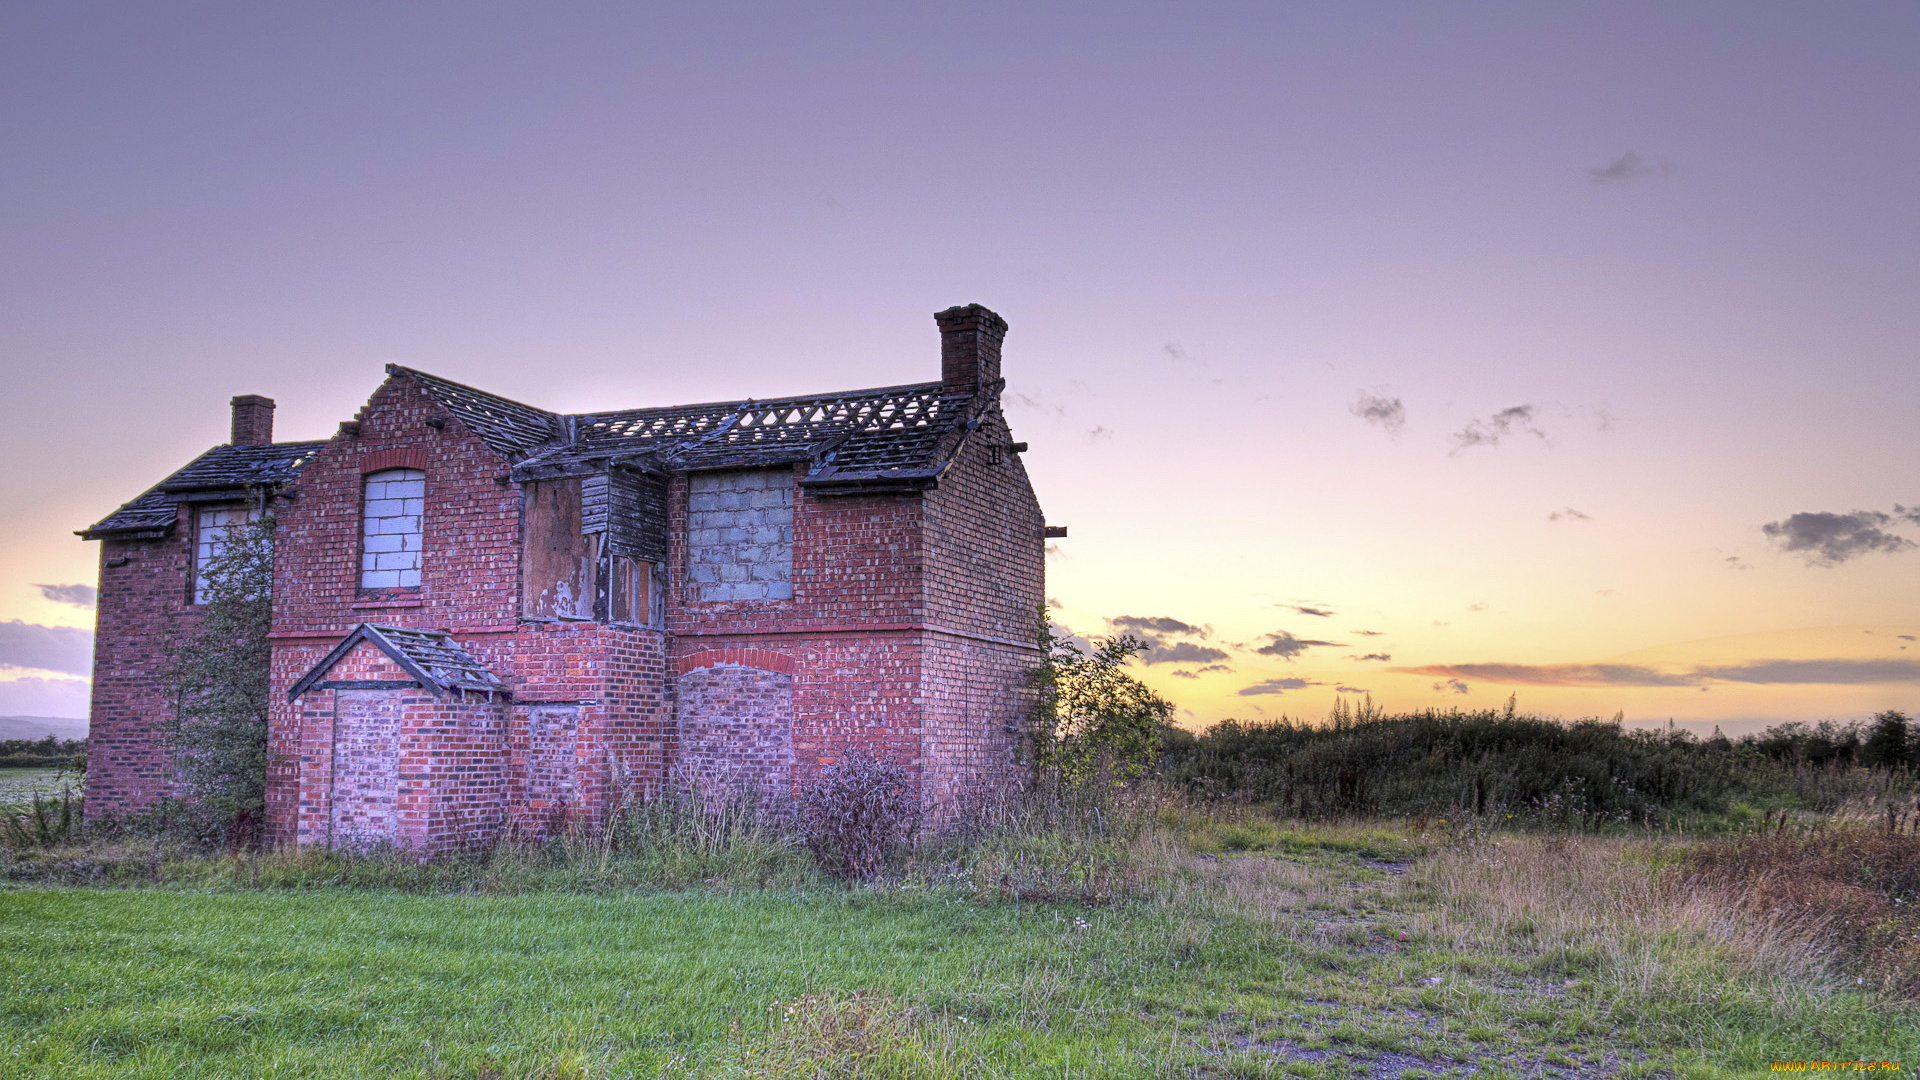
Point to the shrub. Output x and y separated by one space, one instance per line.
856 810
1093 722
218 677
47 821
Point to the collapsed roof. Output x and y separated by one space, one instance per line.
890 438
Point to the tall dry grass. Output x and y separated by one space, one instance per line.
1850 888
1606 909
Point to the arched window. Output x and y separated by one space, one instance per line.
390 528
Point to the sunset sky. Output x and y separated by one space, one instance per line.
1439 352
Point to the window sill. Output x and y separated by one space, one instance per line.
361 604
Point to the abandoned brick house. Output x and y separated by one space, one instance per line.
485 613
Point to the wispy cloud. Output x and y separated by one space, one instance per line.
1627 168
1217 667
1454 685
78 595
28 645
1827 672
1022 400
1159 633
1183 674
1284 645
1372 656
1752 672
1516 419
1826 539
1146 626
1350 689
1182 652
1304 609
1568 513
1388 413
36 696
1369 633
1554 674
1278 686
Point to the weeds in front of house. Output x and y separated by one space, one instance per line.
1122 931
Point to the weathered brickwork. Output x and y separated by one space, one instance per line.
364 798
737 614
736 734
143 605
985 567
397 764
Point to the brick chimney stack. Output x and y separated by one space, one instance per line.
252 420
970 339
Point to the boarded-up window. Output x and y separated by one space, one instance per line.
557 561
740 535
211 525
390 528
551 732
630 596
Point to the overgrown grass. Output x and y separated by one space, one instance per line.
1152 939
1848 889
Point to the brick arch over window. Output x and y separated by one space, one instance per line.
392 516
396 457
754 658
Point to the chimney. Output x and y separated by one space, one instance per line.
969 347
252 420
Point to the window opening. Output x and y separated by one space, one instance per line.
211 526
390 517
740 535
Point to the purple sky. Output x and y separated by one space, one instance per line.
1680 239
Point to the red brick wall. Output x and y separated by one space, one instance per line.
849 634
311 744
986 582
736 734
143 605
470 571
399 766
469 574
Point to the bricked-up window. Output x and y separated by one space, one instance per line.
396 499
211 524
740 535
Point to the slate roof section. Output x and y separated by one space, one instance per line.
889 436
242 467
222 472
431 656
509 427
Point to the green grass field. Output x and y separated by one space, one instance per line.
1524 958
19 786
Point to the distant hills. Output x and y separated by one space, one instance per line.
39 727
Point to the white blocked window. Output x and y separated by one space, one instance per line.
740 534
390 530
211 525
